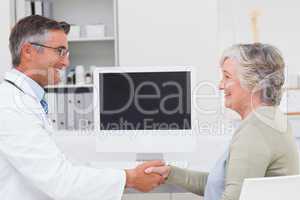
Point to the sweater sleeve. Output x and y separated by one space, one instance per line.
249 157
192 181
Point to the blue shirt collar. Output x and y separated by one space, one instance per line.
25 83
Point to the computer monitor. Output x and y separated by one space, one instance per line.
143 109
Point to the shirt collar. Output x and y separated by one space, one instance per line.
25 83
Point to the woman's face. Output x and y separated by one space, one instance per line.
236 97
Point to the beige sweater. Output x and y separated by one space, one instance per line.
262 146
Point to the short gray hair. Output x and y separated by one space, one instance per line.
33 28
260 68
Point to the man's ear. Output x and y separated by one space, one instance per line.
27 51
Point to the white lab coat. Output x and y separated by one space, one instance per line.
31 165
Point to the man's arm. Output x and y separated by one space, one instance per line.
28 147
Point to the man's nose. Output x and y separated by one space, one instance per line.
221 85
65 62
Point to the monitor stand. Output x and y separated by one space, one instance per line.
149 156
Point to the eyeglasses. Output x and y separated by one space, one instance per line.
62 51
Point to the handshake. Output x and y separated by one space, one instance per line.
147 176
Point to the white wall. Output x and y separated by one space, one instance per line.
277 25
5 60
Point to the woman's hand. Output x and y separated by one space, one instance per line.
164 171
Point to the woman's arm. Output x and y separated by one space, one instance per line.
190 180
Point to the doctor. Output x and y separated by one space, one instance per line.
31 165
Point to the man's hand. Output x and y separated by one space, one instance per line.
164 171
138 179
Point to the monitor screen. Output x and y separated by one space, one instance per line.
145 100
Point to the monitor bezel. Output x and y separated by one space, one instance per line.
145 141
140 69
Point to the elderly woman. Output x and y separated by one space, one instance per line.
263 145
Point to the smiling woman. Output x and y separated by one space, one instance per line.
254 69
263 145
252 76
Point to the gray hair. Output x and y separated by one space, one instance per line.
33 28
260 68
38 38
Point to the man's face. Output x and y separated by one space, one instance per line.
48 62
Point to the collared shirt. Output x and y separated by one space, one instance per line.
29 87
216 179
25 83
